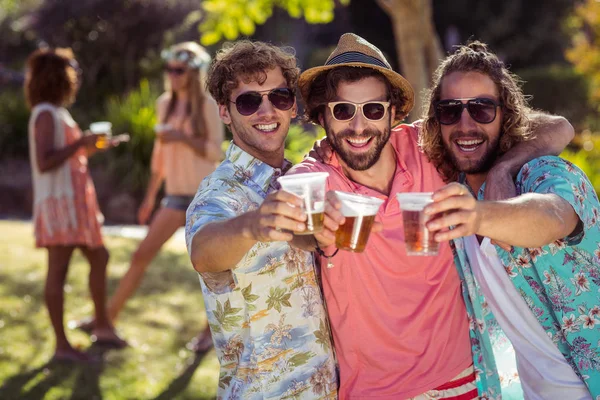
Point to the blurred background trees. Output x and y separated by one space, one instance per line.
552 44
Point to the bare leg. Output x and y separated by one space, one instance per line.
103 330
163 226
58 264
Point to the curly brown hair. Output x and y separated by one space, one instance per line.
324 89
475 57
248 61
51 77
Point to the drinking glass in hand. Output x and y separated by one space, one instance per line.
359 213
310 187
418 239
102 128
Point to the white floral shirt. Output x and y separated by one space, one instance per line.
266 316
560 282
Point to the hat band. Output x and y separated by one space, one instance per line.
354 57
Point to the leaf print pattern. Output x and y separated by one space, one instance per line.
249 297
278 298
227 316
264 313
280 332
323 335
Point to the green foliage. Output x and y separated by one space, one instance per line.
14 116
559 90
585 153
133 113
299 142
584 53
229 19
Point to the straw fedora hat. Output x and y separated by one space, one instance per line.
354 51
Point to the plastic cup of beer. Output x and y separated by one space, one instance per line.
310 187
359 212
418 239
102 128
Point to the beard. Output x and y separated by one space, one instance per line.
358 161
473 166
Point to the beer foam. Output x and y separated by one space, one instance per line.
309 178
414 201
356 205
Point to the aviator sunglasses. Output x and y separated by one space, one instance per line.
248 103
346 111
482 110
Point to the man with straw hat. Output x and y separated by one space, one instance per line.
400 326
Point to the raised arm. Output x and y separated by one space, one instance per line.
219 246
551 135
530 220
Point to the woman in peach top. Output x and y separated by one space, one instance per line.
66 215
187 148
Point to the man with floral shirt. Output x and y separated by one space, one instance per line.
542 280
262 298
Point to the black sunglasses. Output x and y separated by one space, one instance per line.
346 111
175 70
482 110
248 103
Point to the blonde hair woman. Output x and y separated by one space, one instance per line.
66 215
187 148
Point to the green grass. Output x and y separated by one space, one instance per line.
165 313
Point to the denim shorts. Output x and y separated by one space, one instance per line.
179 203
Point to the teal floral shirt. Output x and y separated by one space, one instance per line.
559 282
267 318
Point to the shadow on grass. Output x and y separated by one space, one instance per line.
179 384
53 373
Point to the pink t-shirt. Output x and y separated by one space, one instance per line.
399 323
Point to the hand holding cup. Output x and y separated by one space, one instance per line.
453 205
275 219
104 130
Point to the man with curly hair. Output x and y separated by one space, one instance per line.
399 323
262 299
543 285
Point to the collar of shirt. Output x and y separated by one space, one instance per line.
462 178
250 168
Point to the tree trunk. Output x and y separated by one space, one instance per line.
417 44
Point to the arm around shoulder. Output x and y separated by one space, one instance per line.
553 133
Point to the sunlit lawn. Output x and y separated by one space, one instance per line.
166 312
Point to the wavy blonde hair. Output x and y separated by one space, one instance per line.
197 95
475 57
